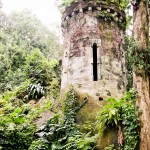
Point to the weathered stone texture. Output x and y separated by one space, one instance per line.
81 31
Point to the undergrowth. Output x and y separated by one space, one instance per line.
122 114
64 134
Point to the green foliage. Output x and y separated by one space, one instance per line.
27 50
35 91
84 142
21 91
16 137
110 147
122 113
28 71
136 57
131 123
141 60
16 132
64 134
110 115
37 67
28 32
70 107
16 123
39 144
123 4
40 70
128 54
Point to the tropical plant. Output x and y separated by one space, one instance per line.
122 114
27 69
35 91
110 115
17 126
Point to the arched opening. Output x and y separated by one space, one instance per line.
95 75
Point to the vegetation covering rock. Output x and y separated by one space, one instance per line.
30 73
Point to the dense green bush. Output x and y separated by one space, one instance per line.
15 137
40 144
28 71
39 69
43 75
16 132
25 52
17 126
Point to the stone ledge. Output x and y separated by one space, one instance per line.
120 20
79 7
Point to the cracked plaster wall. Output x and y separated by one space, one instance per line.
81 31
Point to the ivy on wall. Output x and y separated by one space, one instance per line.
137 57
141 61
64 134
122 114
122 20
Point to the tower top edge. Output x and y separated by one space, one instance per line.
82 6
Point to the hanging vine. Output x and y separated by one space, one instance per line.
64 134
137 57
122 114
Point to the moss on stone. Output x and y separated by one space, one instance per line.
108 138
89 110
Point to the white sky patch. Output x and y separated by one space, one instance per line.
45 10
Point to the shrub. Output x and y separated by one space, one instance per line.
35 91
40 144
64 134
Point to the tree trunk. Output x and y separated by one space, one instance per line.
141 82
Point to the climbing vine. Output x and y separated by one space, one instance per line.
107 16
64 134
137 57
128 54
141 60
122 114
130 123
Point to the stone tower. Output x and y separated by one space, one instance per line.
94 60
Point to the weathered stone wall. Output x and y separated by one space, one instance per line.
83 26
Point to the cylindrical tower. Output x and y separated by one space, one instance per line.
94 60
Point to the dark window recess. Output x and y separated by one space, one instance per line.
101 99
95 76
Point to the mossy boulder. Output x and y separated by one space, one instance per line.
110 137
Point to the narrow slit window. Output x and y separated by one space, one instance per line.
95 73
